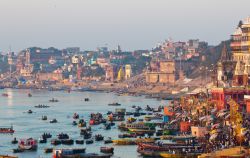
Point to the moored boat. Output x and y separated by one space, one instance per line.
107 150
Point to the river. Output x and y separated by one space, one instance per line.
14 107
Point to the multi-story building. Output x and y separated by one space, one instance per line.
240 47
128 71
166 73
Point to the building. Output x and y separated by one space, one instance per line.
220 96
198 132
54 76
166 73
110 73
240 46
128 71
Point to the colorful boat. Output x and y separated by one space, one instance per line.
141 127
7 130
27 144
126 141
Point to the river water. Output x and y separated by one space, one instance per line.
13 111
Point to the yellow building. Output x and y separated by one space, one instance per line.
128 71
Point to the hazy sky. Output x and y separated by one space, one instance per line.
134 24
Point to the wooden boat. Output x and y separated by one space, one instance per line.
53 121
41 106
95 155
133 141
7 130
141 127
86 99
6 156
67 141
124 142
29 95
89 141
64 153
107 150
76 116
167 147
42 140
56 142
48 150
99 137
79 141
114 104
53 100
108 141
63 136
27 144
14 141
44 118
29 111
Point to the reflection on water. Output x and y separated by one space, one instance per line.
13 110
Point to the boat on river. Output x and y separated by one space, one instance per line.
64 153
141 127
27 144
114 104
126 141
7 130
53 100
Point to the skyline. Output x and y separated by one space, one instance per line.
132 24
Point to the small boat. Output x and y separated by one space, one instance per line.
53 121
79 141
27 144
86 99
44 118
53 100
141 127
107 126
67 141
29 95
107 150
14 141
87 136
7 156
82 123
48 150
18 150
114 104
108 141
90 141
99 137
95 155
76 116
46 135
56 142
63 136
29 111
6 130
74 123
42 140
41 106
61 153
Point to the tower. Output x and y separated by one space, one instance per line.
128 71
